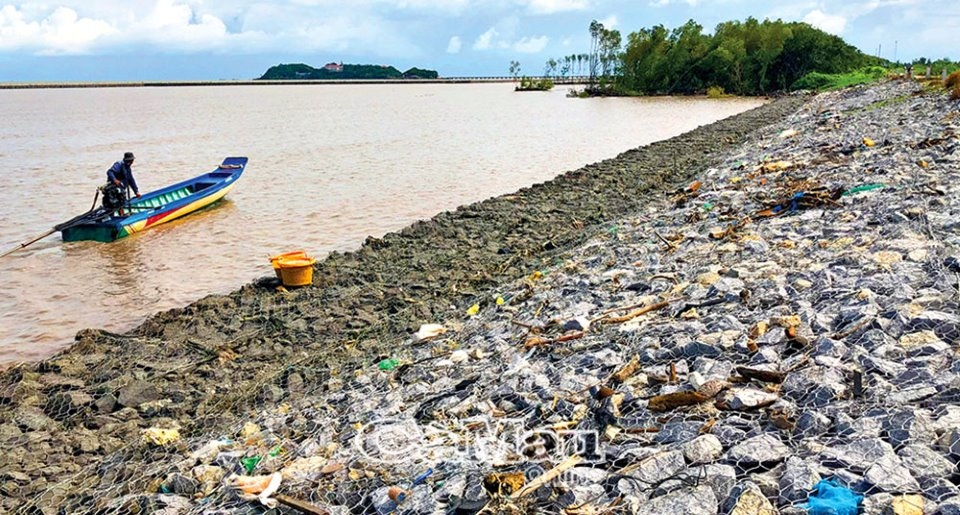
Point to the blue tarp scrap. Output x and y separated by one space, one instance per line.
832 498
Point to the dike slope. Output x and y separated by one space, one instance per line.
75 422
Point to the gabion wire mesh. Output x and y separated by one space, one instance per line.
726 348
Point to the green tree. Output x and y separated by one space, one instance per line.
514 69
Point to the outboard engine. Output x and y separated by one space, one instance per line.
113 196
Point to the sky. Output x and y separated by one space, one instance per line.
186 40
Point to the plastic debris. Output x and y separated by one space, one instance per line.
250 463
473 310
817 197
428 331
864 187
788 133
257 488
831 498
868 142
388 364
397 494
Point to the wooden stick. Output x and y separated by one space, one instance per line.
30 242
548 476
634 314
302 506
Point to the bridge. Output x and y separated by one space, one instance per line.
560 81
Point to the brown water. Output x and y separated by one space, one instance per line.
329 165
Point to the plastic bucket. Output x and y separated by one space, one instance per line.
275 260
296 271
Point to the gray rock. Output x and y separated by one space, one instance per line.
923 462
909 426
698 500
811 424
30 418
678 432
938 489
949 443
945 325
747 499
761 449
137 393
106 403
174 503
798 480
815 386
270 393
859 455
660 466
703 449
181 484
743 399
720 478
419 501
878 504
67 404
949 507
890 475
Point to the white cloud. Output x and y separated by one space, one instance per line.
665 3
556 6
453 47
833 24
529 45
62 32
485 41
609 22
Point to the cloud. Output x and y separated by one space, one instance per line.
453 47
528 45
833 24
609 22
62 32
556 6
665 3
485 41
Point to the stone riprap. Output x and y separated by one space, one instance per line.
711 336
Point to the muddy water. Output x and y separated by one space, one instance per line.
329 165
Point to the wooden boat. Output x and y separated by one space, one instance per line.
156 207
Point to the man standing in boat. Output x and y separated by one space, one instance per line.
119 180
121 174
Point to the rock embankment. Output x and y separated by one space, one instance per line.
711 323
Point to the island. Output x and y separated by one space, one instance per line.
335 71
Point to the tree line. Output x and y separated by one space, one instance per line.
745 58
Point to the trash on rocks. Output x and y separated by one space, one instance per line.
428 331
547 476
397 494
537 341
831 498
473 310
864 188
256 488
250 463
788 133
818 197
388 364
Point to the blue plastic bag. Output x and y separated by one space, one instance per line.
831 498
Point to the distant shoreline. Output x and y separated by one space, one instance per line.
159 84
